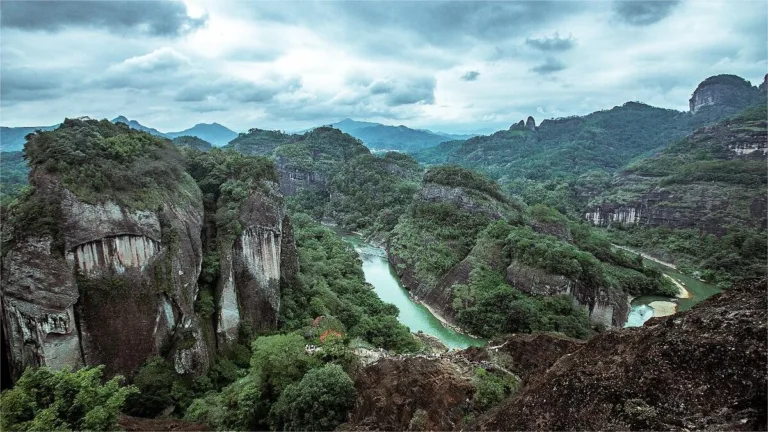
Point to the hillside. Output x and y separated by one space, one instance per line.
493 266
700 202
604 140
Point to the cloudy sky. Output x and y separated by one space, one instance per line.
474 67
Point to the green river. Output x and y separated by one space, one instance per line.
387 286
417 317
642 312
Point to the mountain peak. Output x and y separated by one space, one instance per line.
724 92
120 119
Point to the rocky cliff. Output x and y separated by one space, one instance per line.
110 274
727 94
700 369
252 267
112 286
709 180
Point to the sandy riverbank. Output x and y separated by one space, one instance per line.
663 308
682 292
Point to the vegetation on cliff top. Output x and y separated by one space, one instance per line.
102 161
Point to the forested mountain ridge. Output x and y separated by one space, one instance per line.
604 140
495 266
700 203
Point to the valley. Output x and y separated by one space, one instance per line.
441 286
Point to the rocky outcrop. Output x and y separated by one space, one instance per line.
462 198
727 94
699 369
678 189
293 179
116 286
526 355
606 307
113 287
412 393
530 124
252 267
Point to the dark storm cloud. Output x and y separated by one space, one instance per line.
470 76
160 18
439 23
555 43
644 12
236 90
549 66
405 91
30 84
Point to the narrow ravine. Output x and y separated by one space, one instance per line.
387 286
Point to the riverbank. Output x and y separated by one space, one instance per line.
441 318
682 292
646 256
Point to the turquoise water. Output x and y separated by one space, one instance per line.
387 286
641 312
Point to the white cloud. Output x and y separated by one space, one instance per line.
292 65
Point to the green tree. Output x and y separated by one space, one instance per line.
319 402
63 400
279 361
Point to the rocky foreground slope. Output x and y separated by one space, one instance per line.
700 369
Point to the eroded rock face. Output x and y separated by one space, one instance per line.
530 124
293 180
119 291
728 93
261 258
605 307
700 369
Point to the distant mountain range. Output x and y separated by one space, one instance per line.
12 138
214 133
377 136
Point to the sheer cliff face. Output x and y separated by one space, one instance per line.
123 286
120 291
725 93
252 267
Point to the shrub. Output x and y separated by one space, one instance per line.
319 402
63 400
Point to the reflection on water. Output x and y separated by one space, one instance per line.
387 286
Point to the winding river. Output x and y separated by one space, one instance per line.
417 317
642 307
387 286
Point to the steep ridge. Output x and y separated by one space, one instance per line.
700 369
712 178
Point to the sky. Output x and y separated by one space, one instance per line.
461 67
